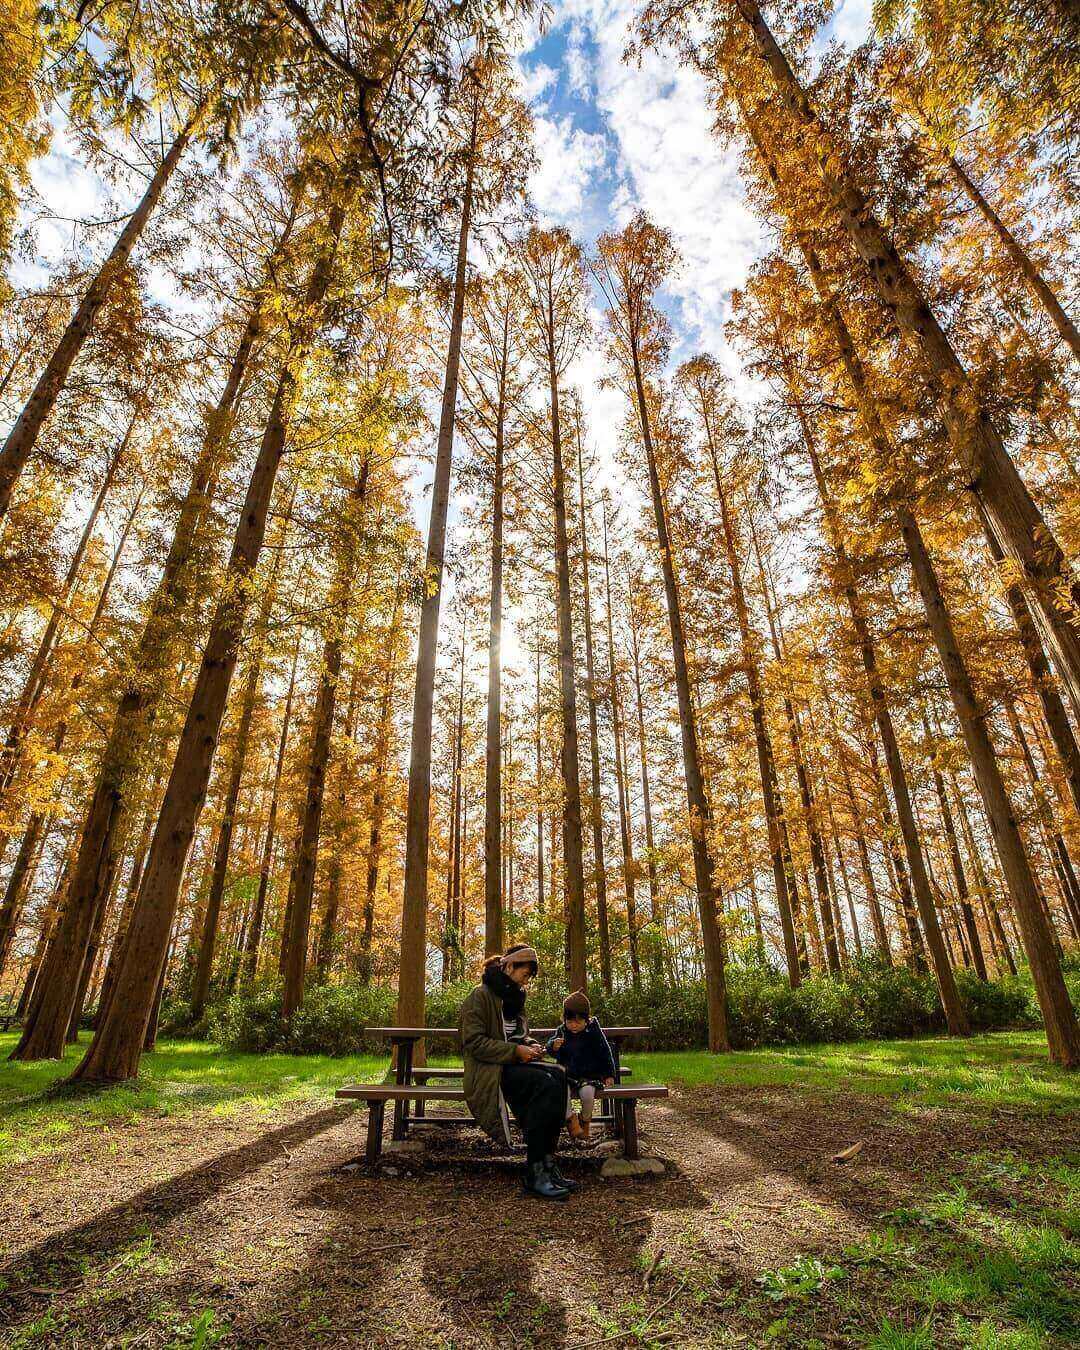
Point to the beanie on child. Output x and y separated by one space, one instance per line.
577 1005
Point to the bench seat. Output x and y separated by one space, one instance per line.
624 1104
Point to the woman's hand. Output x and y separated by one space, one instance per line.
609 1082
527 1053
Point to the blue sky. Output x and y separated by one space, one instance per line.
613 136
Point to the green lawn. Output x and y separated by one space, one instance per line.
1008 1069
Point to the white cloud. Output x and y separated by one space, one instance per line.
578 68
851 22
570 162
536 82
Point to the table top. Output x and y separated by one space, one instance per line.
418 1033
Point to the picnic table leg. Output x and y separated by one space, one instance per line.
404 1077
374 1132
629 1123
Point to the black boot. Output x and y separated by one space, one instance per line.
556 1176
539 1181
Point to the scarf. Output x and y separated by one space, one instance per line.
503 987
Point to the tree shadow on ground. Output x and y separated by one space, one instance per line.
54 1261
451 1251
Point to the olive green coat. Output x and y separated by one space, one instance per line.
485 1050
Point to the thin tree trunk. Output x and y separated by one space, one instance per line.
23 435
493 852
539 794
134 716
414 909
955 1014
763 741
34 684
453 858
114 1053
573 866
1062 1031
378 794
978 448
254 934
307 857
646 794
1057 719
595 814
328 929
1019 258
697 804
962 893
1056 846
625 835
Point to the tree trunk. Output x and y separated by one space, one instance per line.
339 602
23 435
763 741
134 715
1062 1031
963 895
573 866
625 835
378 793
1055 843
978 448
1019 258
254 933
655 909
114 1054
413 968
955 1015
453 857
493 856
1057 719
539 794
595 814
328 929
34 684
697 804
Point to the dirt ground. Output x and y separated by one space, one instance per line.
201 1231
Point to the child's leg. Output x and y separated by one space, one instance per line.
588 1101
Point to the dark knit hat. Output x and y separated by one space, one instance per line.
577 1005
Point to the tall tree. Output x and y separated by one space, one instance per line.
553 271
631 266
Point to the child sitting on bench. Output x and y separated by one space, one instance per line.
581 1047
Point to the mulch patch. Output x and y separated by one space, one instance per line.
129 1237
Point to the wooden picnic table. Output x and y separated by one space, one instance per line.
404 1040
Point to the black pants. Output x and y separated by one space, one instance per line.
536 1093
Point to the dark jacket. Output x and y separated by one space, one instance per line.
585 1055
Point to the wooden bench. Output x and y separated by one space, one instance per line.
623 1100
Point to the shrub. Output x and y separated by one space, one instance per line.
870 1001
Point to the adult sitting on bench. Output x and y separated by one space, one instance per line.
502 1065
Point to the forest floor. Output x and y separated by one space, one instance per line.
220 1202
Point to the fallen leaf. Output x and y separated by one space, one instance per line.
846 1154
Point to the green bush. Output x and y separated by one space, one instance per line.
870 1001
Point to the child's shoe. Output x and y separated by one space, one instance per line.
575 1127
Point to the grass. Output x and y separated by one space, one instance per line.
1007 1069
37 1115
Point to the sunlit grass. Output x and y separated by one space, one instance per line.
1005 1069
38 1115
1008 1069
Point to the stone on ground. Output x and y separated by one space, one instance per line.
632 1167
